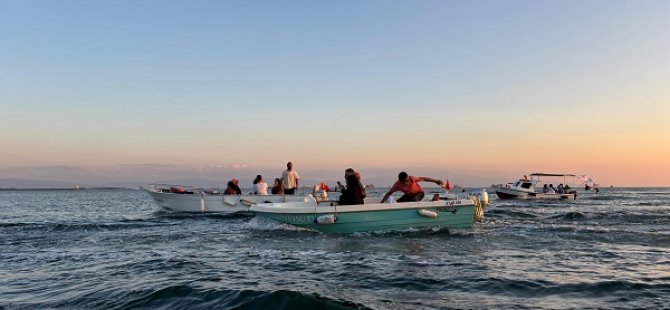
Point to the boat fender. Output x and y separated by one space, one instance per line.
428 213
246 202
484 198
228 202
326 219
203 204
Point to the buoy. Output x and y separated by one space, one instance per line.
326 219
428 213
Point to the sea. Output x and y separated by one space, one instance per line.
115 249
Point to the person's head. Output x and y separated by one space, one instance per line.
545 185
259 178
235 181
351 180
289 165
402 177
277 181
348 172
231 184
338 183
551 185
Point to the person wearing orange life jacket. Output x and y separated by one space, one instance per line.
409 185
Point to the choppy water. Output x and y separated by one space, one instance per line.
116 250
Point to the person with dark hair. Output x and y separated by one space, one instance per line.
236 186
259 187
409 185
277 188
354 192
290 179
230 189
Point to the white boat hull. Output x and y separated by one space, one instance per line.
512 193
202 203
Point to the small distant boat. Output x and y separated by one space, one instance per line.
532 188
188 199
442 212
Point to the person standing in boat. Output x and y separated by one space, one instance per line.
409 185
259 187
354 193
290 179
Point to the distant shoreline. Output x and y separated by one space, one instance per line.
66 188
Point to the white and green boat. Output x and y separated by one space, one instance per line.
443 213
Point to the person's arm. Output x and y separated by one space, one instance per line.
396 187
297 180
427 179
386 196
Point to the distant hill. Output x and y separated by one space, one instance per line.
22 183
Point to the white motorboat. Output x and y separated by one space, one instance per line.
533 187
188 199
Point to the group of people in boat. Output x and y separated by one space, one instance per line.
286 185
560 189
352 193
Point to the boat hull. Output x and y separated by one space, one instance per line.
452 214
508 194
197 203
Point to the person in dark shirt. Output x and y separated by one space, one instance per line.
354 192
277 188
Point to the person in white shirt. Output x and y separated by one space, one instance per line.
259 187
290 179
551 189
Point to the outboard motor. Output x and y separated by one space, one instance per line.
483 197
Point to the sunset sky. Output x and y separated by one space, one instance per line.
480 92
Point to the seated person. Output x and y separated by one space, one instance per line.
230 189
353 193
409 185
259 187
551 189
545 188
277 188
560 189
236 186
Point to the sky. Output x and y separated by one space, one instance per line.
479 92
